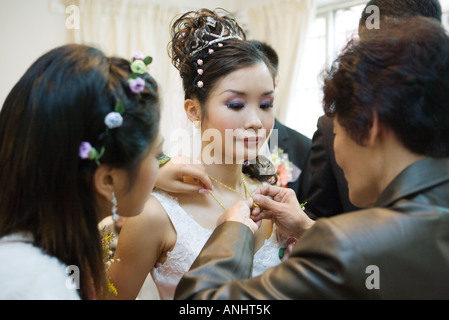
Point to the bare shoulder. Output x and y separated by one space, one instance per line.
143 241
153 213
151 228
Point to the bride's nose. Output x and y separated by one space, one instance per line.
253 121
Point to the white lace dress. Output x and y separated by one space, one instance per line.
191 237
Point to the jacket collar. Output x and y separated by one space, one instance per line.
421 175
282 135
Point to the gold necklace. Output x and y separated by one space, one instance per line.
229 188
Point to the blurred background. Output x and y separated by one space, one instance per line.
307 34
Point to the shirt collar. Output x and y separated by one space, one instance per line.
421 175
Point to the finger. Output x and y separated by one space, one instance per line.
256 211
266 214
254 226
198 174
260 190
183 187
270 191
267 203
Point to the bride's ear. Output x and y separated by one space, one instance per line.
193 109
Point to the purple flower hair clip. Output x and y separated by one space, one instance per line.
86 151
137 85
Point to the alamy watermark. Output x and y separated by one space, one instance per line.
373 280
373 20
73 277
72 22
238 145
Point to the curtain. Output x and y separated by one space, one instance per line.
118 27
283 24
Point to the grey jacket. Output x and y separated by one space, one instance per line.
399 249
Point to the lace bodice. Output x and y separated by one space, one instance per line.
191 237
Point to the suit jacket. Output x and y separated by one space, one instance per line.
399 249
328 190
298 148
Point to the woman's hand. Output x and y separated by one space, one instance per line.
181 175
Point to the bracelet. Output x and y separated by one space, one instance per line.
163 159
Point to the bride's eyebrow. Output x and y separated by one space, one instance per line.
241 93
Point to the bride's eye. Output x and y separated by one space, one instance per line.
266 104
236 105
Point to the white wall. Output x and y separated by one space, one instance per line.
28 29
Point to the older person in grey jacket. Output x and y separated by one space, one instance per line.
388 94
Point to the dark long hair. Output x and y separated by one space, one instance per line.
46 189
235 54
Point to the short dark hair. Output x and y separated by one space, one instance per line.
404 8
268 51
401 74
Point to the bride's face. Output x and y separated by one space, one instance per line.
240 112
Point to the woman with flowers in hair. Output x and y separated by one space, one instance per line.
229 88
78 142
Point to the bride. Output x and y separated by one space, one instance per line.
229 93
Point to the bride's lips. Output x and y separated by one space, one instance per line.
251 141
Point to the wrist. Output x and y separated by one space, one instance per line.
306 225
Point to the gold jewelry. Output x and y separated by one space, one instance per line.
197 124
246 195
219 202
232 189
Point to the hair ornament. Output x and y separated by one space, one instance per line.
86 151
208 44
139 65
114 119
202 37
200 84
136 85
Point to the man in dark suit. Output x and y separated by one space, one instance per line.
298 147
292 142
328 190
392 146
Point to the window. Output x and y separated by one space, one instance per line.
328 34
333 26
